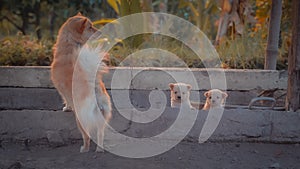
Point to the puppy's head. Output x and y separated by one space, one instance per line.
80 27
180 92
215 97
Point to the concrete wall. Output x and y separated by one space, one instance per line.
153 78
59 127
31 87
30 106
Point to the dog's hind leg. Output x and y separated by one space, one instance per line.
68 100
86 139
100 138
100 133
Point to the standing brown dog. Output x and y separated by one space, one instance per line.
71 37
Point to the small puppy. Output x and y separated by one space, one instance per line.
180 95
72 35
214 99
89 94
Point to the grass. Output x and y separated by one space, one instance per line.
242 53
248 52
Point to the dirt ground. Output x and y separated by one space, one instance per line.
185 155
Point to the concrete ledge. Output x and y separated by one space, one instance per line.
25 76
34 125
238 125
152 78
49 99
30 98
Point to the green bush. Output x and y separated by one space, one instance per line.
23 51
240 53
173 53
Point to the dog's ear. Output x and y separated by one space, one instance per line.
171 85
189 86
224 95
79 14
82 25
206 94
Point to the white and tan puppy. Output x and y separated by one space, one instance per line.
180 95
92 103
214 99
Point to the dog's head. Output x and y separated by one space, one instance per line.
180 92
215 97
80 27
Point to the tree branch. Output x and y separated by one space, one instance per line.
13 23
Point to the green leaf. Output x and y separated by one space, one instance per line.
115 5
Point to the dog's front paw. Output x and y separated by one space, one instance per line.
99 150
84 149
67 109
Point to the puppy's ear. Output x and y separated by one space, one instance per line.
79 14
189 86
224 95
206 94
171 85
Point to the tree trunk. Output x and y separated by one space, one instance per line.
124 8
293 92
25 20
228 8
52 16
131 7
199 20
37 11
174 4
163 6
273 35
147 6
